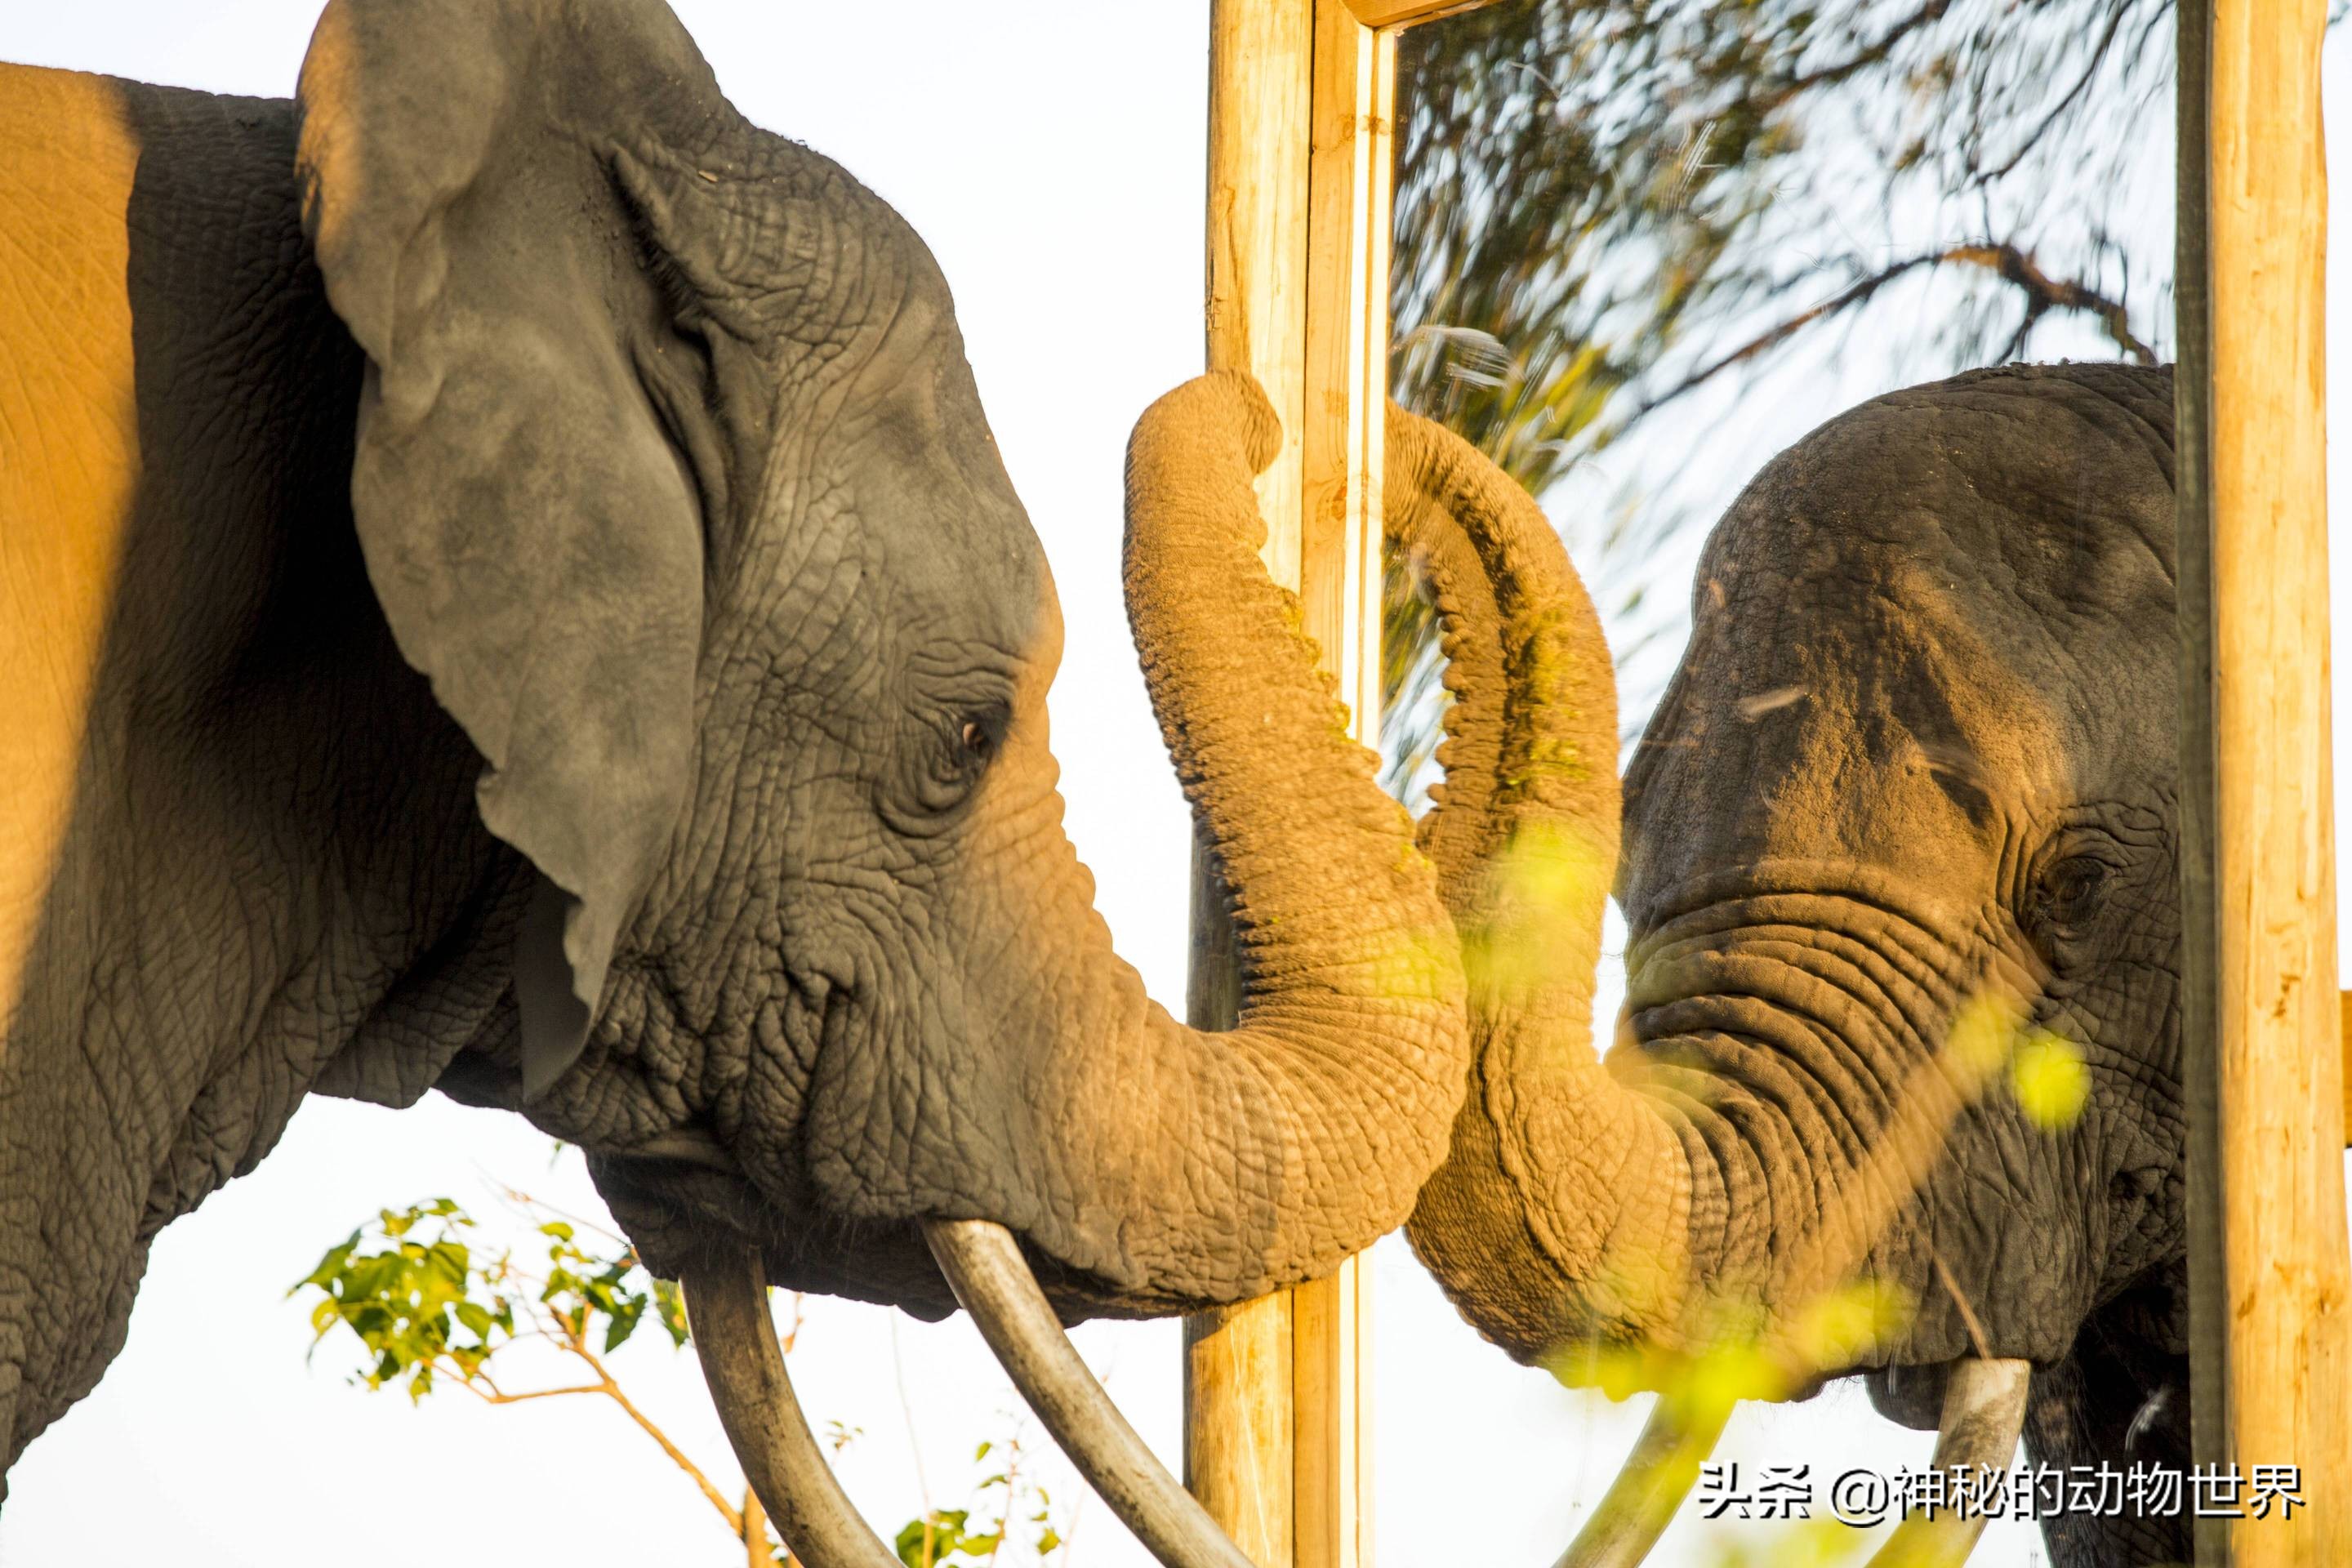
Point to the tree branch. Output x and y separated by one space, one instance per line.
1862 60
2013 265
496 1397
578 1346
2045 293
2081 85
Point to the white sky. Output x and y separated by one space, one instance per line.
1052 155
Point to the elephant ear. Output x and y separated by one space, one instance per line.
531 531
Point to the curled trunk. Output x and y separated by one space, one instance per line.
1215 1166
1218 1165
1525 835
1790 1086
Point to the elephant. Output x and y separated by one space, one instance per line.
512 592
1909 799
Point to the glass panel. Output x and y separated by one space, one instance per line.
1640 249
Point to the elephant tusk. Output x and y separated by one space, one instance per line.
992 1281
745 1368
1657 1475
1984 1411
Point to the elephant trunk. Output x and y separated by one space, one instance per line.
1227 1165
1537 1233
1696 1175
1213 1166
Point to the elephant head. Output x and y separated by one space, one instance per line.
672 477
1898 865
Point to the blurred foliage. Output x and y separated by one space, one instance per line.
423 1302
1007 1500
434 1307
2051 1081
1603 206
1821 1313
1814 1543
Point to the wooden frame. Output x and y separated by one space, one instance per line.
2270 1284
1277 1397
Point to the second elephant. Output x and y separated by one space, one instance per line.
1909 801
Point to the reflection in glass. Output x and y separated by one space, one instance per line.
1640 248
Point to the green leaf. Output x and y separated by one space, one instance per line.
330 1266
669 1305
929 1540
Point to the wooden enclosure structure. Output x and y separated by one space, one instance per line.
2270 1284
1277 1399
1277 1394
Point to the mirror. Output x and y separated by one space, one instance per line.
1639 250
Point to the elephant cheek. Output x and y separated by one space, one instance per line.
1860 1102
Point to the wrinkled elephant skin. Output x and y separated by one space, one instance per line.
511 590
1903 982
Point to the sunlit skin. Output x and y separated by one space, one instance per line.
1903 957
68 457
514 594
161 960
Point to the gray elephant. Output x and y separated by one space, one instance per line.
511 590
1910 798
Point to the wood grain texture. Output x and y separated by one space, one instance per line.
1348 184
2276 1064
1277 1399
1397 12
1261 79
1238 1450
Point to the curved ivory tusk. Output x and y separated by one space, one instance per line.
984 1266
1657 1475
1984 1411
745 1369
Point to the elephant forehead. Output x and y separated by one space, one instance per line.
1936 619
939 520
2044 489
1870 722
1997 547
980 579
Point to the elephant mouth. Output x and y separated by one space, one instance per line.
685 1195
700 1196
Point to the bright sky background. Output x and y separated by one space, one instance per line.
1052 155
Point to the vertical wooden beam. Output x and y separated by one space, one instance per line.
1238 1439
2201 937
2274 1317
1339 591
1261 91
1277 1396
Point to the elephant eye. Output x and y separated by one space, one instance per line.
979 733
957 746
2070 889
973 739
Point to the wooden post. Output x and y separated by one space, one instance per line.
1339 590
2270 1288
1238 1440
1276 1407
